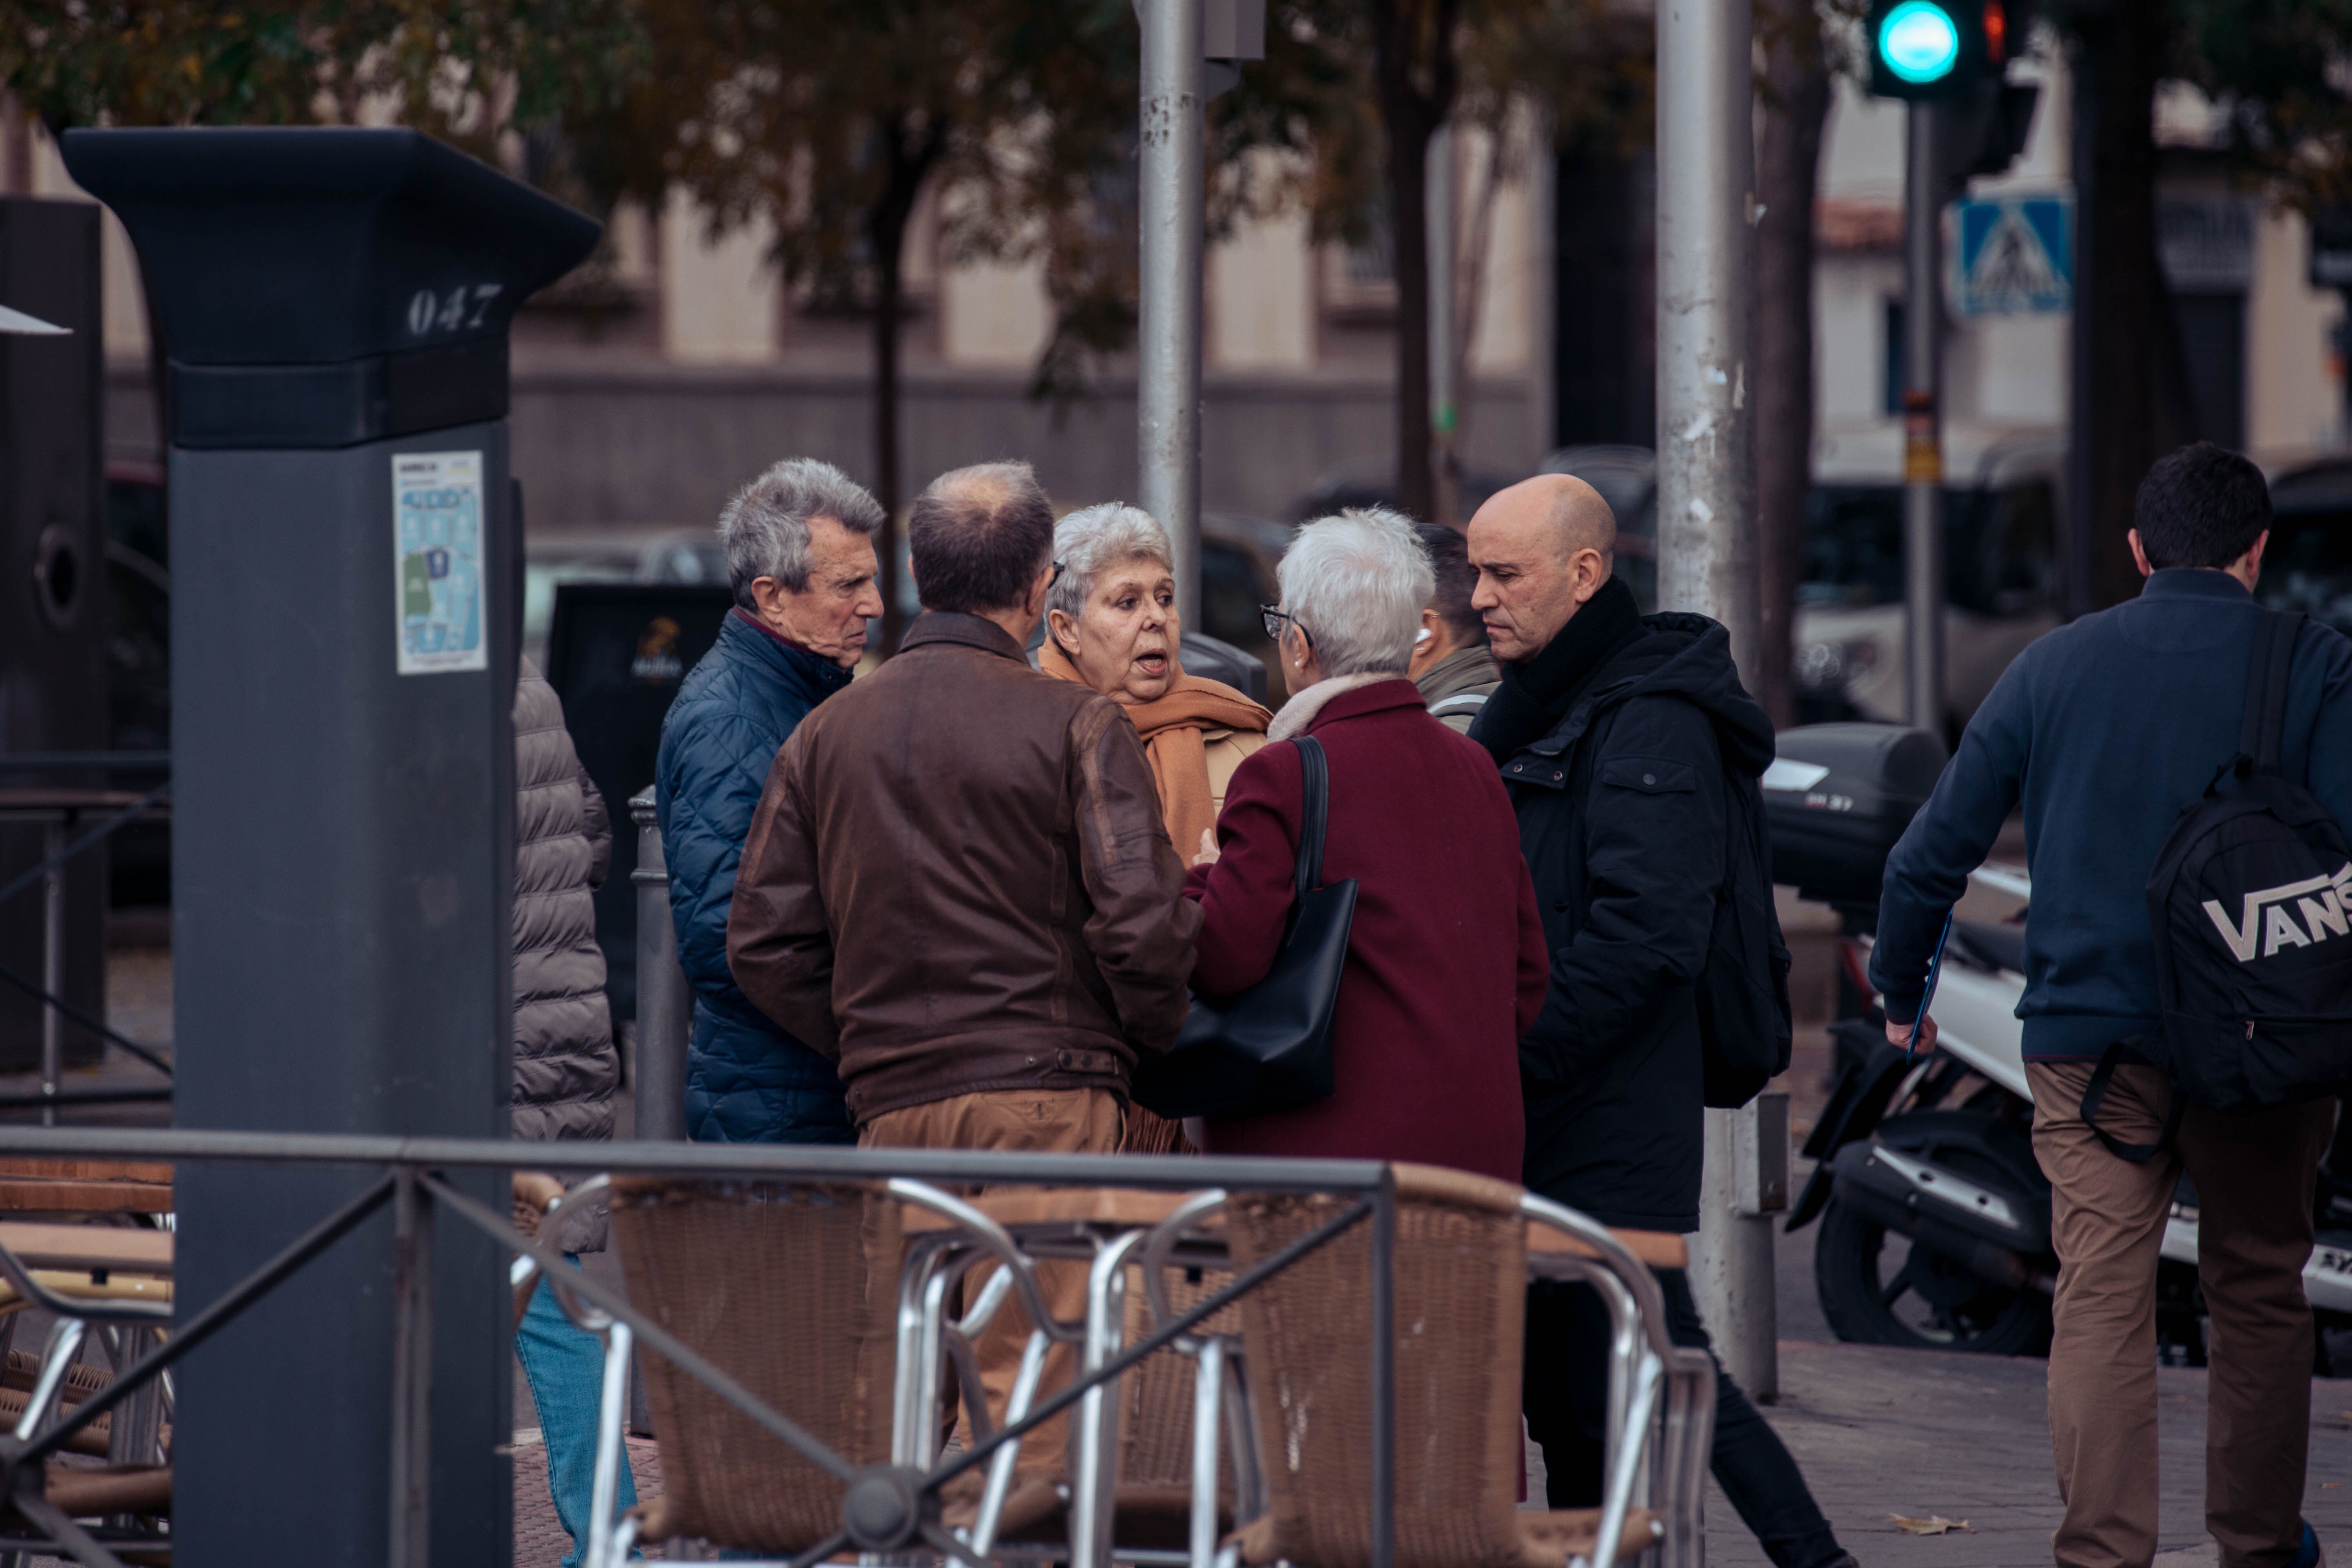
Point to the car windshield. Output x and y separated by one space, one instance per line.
2000 547
2308 565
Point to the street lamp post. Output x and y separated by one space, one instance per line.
1167 362
1706 529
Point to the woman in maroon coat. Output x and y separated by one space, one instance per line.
1447 966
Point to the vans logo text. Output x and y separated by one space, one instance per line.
2267 923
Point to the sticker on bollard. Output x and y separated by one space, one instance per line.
437 542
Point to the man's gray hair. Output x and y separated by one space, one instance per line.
1095 538
1357 583
765 529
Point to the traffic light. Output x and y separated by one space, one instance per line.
1937 48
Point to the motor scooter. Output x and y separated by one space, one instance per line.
1934 1215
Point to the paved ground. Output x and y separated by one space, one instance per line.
1883 1432
1878 1432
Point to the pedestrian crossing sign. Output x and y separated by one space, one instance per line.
2013 256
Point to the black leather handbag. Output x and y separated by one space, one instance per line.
1268 1048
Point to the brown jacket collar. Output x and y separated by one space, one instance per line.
963 631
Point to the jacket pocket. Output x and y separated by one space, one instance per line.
1651 776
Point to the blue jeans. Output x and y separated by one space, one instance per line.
565 1365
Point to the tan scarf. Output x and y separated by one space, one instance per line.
1170 726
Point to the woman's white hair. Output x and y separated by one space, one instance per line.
1095 539
1357 583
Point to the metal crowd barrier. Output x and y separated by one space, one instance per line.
413 1184
59 811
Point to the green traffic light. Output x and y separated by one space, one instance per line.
1919 42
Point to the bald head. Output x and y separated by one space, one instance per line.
1542 548
977 536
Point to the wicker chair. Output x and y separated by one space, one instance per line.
801 1291
792 1289
1461 1303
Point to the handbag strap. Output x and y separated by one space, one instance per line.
1318 813
2262 733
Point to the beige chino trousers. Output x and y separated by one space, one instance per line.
2254 1174
1046 1121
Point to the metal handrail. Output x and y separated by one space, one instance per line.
413 1187
55 1008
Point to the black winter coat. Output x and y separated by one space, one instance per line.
1622 818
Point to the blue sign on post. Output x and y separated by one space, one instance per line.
2013 256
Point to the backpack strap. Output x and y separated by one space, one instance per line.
2095 1092
2262 733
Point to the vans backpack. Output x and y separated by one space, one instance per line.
1744 1026
2250 907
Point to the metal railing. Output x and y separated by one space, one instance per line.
57 818
415 1186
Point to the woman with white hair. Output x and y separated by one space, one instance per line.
1111 624
1446 965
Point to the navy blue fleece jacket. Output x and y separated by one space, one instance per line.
2105 730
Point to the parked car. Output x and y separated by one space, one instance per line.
1237 559
2308 564
1238 555
2001 519
1371 481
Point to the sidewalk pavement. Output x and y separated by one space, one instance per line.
1879 1432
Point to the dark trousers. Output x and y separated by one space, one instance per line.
1565 1396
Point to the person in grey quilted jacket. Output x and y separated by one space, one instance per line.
566 1069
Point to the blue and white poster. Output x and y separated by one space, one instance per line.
2013 256
436 511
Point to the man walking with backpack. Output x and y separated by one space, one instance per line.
2106 731
1626 742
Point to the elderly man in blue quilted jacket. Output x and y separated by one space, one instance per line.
800 556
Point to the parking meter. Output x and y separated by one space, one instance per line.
346 586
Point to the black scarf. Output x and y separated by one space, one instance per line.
1537 693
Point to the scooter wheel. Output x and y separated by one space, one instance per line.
1879 1288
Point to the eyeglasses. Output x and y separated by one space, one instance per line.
1273 617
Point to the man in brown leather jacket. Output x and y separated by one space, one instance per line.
957 884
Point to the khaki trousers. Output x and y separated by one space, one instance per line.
1053 1121
2254 1174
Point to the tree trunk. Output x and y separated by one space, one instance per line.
1796 98
2129 386
889 298
910 152
1412 39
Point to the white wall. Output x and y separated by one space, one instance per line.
123 300
995 315
2295 387
721 303
2000 370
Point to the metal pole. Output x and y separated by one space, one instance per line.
1706 485
1444 395
1706 481
664 1001
53 966
412 1373
1923 426
1168 368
